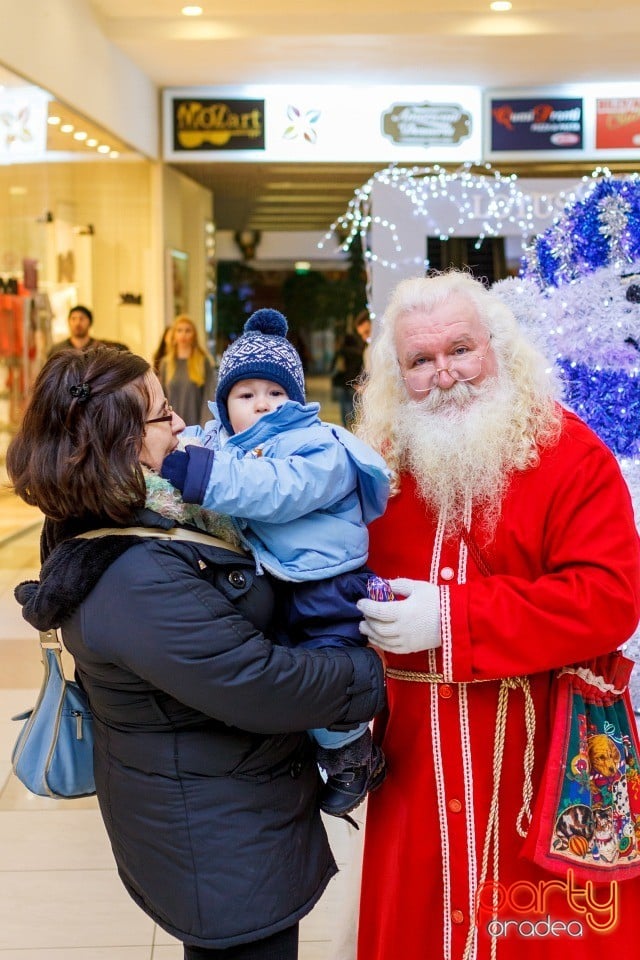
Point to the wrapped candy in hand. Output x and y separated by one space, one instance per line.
378 589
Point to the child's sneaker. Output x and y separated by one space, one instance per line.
345 791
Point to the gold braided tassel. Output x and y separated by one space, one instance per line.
492 836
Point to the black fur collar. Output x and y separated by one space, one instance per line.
73 567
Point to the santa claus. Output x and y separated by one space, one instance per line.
511 544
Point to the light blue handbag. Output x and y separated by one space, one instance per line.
53 755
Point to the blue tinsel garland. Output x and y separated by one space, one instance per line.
601 229
608 400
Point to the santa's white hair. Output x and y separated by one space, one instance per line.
461 444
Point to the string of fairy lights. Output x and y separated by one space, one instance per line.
451 201
568 294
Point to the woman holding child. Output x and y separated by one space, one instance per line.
206 785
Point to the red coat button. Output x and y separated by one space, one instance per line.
454 806
457 916
445 691
447 573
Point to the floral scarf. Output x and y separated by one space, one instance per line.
164 499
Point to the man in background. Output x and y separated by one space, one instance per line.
80 319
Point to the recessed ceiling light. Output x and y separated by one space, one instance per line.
80 135
67 128
54 121
114 153
103 148
500 6
92 142
192 11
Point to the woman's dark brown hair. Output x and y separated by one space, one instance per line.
77 450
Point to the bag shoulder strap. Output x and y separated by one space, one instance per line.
174 533
51 646
473 548
49 639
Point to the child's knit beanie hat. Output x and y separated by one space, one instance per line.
261 353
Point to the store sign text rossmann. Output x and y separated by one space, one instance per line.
216 124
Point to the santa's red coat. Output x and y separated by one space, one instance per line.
564 587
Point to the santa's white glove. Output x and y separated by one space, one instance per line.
404 626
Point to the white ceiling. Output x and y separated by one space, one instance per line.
377 41
539 42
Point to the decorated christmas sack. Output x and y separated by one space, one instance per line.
587 813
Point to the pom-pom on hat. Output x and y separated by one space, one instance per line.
261 353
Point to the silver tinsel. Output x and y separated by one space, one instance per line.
561 246
614 213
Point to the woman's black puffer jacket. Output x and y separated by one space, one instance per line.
207 787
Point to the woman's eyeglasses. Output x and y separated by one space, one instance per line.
168 415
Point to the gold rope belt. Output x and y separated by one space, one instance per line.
492 843
414 675
417 676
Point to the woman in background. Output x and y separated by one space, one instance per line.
187 373
161 349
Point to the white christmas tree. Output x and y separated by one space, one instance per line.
578 295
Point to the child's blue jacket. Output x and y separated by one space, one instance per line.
305 489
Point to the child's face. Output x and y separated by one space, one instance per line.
249 400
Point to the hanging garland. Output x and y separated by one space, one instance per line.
487 201
483 202
602 230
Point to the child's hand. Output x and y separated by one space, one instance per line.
189 471
174 469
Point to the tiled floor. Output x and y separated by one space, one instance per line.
60 897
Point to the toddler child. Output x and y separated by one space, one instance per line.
302 492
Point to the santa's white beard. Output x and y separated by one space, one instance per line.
461 445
